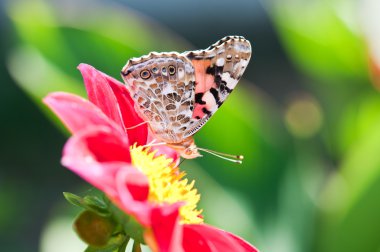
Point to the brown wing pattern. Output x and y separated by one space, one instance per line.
162 86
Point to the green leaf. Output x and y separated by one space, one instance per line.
73 199
96 204
89 202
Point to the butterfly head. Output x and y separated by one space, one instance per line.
190 152
187 149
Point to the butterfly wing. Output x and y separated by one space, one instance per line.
178 93
217 71
163 88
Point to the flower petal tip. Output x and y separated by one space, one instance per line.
83 66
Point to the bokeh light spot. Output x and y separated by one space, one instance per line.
303 116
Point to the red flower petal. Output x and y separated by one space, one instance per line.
166 230
76 112
100 93
136 183
244 244
96 154
132 188
113 98
130 117
205 238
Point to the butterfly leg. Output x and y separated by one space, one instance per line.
138 125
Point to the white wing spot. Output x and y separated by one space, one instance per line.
167 89
220 62
210 101
231 82
181 73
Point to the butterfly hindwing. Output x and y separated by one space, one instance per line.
162 86
217 71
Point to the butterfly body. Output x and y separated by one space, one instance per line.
178 93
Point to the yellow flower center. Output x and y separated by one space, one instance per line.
167 183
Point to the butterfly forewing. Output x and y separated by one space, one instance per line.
217 71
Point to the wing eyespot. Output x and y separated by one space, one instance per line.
171 69
229 57
145 74
155 70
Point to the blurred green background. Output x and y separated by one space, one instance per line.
306 116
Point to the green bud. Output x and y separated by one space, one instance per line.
93 229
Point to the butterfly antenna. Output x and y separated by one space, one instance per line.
229 157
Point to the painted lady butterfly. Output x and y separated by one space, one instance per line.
177 93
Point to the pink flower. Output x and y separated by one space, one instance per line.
144 183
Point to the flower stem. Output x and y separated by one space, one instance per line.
123 246
136 247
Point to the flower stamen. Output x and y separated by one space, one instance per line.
167 184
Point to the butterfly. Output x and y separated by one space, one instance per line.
177 93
